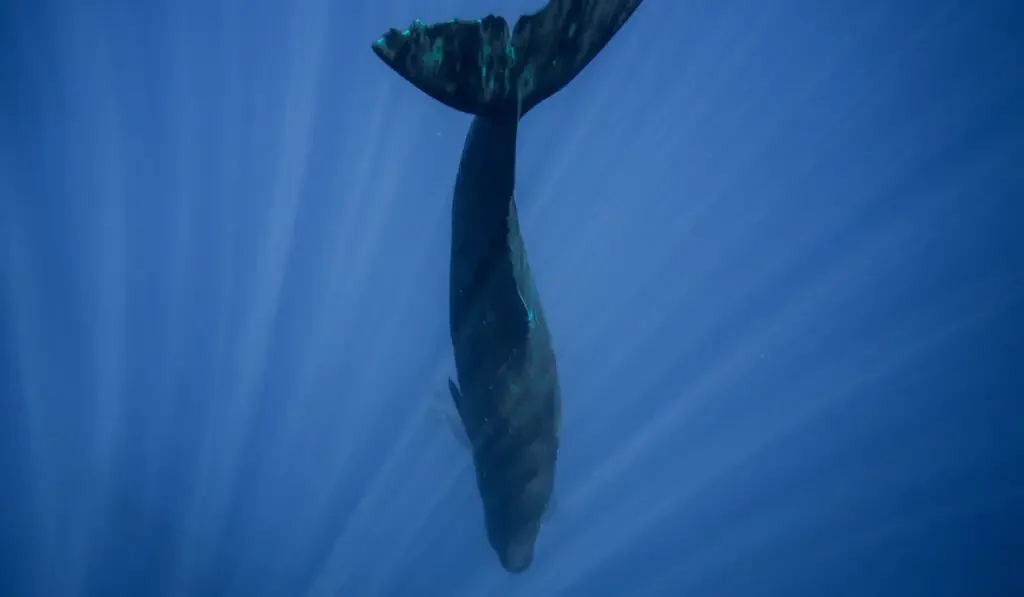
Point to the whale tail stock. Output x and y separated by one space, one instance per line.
479 67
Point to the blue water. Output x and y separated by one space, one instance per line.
779 245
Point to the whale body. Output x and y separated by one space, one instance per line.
507 396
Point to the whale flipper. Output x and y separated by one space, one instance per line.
456 395
441 411
480 67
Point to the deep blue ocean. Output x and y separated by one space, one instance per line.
780 247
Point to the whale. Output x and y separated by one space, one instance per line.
507 396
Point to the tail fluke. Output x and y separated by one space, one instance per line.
462 64
479 67
561 39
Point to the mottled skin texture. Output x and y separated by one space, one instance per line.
507 394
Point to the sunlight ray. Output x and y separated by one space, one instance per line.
362 518
182 239
272 250
776 248
224 265
36 369
792 322
618 530
103 276
336 305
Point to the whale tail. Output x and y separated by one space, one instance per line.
479 67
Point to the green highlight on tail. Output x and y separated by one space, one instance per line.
480 67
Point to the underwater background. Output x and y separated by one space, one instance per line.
779 247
